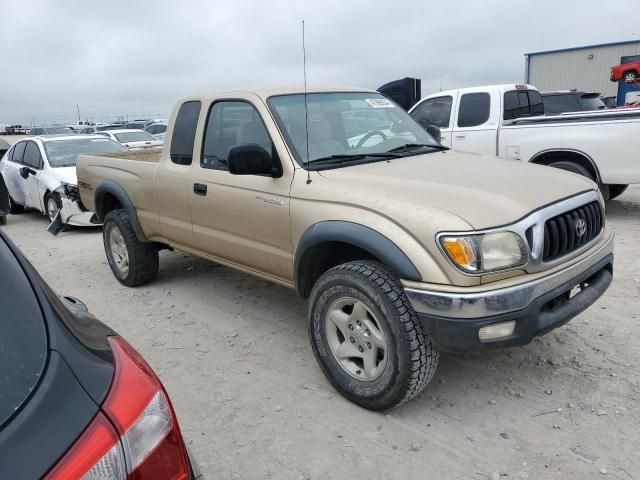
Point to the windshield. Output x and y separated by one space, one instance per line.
141 136
345 124
64 153
59 131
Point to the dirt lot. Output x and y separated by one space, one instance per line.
233 353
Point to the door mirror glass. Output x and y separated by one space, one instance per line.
250 159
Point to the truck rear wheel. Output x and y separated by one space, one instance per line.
616 190
580 170
630 76
132 262
367 338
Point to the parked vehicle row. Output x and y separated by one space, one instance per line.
403 247
132 139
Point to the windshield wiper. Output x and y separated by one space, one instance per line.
414 146
353 156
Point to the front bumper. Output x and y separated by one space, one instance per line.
73 214
453 320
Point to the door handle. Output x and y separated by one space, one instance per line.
461 136
200 189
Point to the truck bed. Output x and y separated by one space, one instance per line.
132 171
148 155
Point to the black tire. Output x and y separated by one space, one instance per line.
630 77
56 198
616 190
3 220
15 208
142 257
580 170
412 357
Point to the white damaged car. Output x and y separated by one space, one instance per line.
40 173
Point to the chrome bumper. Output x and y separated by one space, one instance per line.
485 303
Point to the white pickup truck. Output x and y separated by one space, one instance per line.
509 121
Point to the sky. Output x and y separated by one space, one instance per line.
134 58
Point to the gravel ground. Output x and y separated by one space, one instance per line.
234 355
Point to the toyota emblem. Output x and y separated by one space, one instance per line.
581 227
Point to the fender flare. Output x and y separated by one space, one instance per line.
573 151
111 187
359 236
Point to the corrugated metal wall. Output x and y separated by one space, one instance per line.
574 69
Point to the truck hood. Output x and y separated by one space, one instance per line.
483 191
64 175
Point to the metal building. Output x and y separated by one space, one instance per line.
583 68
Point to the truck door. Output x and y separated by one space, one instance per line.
476 123
242 219
436 111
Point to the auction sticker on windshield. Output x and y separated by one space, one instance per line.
380 103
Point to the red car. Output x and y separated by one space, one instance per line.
627 72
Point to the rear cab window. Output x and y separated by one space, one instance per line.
474 109
23 343
522 103
184 132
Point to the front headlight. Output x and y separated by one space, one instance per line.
485 252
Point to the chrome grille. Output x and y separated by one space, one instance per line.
569 231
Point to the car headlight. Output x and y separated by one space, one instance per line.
485 252
71 191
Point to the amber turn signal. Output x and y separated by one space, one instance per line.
462 251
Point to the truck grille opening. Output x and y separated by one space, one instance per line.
570 230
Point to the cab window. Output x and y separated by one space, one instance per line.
184 132
522 103
435 111
474 109
232 123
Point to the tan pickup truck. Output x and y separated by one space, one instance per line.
403 247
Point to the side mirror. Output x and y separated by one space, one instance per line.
434 132
26 171
252 159
431 129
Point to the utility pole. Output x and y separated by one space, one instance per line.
78 109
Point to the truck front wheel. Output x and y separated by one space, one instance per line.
615 190
630 76
132 262
580 170
367 338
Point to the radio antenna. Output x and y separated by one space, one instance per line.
306 109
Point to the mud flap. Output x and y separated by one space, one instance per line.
56 226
